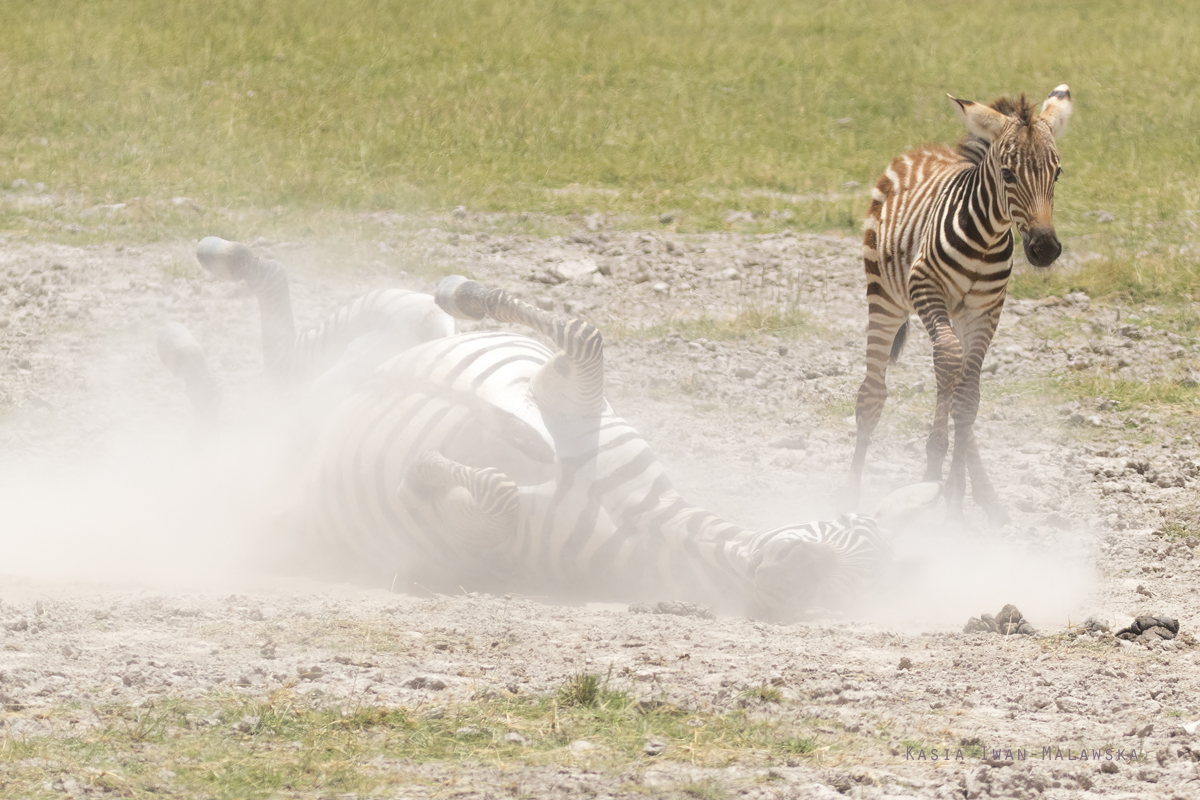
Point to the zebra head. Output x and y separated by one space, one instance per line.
832 564
1022 165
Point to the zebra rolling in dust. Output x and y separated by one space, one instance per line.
938 241
490 461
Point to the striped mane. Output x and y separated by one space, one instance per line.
973 149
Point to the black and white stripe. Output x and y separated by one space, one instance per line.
938 241
488 460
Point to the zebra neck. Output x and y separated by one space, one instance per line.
987 201
718 552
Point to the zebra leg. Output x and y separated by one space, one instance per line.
882 331
478 506
570 383
947 368
231 261
183 356
978 334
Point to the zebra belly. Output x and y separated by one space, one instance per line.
466 398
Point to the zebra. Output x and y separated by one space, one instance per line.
938 240
491 461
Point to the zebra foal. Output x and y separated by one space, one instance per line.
938 240
491 461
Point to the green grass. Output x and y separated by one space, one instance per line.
785 322
763 693
298 115
1126 394
225 746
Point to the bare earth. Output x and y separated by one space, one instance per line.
125 528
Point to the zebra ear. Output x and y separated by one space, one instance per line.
1057 110
981 121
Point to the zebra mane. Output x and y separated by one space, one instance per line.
973 149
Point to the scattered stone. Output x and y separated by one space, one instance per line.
247 724
905 663
1109 768
1007 623
678 608
654 748
19 625
460 212
311 674
242 681
267 650
1094 624
421 682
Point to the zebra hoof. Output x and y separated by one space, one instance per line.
227 261
461 298
178 349
997 515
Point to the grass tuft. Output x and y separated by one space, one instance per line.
763 693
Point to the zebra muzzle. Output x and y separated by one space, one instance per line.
1041 246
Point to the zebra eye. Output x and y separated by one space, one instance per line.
1008 175
1058 173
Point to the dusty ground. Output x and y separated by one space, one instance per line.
122 525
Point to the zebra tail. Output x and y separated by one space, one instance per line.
898 343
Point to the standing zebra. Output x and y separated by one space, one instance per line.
491 461
938 241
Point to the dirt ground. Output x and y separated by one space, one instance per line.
123 525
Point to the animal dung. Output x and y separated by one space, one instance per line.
1148 630
1008 622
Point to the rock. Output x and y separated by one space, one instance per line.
460 212
579 745
574 270
745 372
654 748
1095 624
1109 768
247 724
666 218
242 681
678 608
311 674
905 663
467 731
512 737
793 442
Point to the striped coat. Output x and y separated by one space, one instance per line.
938 241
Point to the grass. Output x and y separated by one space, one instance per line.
1126 394
226 746
784 322
301 115
763 694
